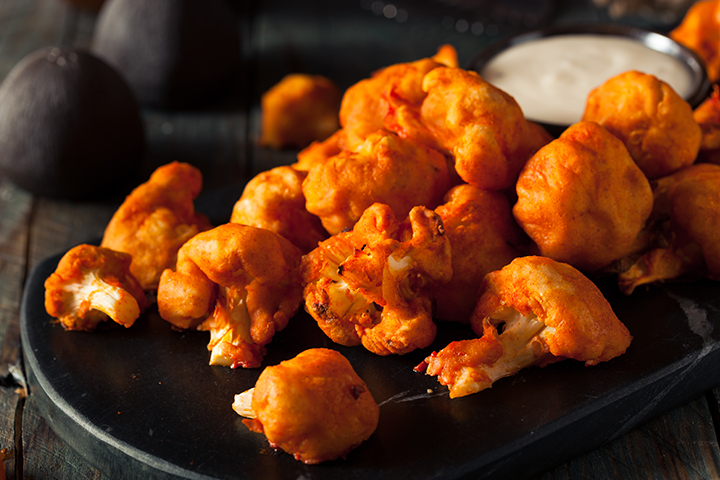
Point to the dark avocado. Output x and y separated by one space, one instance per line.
173 53
69 125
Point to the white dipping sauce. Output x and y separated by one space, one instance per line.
551 77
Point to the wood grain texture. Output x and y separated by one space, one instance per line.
679 444
15 208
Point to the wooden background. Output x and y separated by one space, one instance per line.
344 40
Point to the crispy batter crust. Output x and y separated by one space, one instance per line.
585 328
582 199
652 120
483 237
238 282
156 219
314 406
299 110
274 200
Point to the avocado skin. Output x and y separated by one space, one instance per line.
70 126
174 54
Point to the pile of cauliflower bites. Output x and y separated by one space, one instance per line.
433 199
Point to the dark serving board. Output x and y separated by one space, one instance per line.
143 403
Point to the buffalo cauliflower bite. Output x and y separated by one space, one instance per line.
238 282
299 110
582 199
384 169
700 32
273 200
319 152
688 206
652 120
366 104
313 406
483 237
374 284
534 311
707 115
92 284
480 125
156 219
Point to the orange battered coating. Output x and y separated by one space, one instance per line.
374 284
483 237
314 406
319 152
274 200
238 282
690 201
366 104
299 110
92 285
156 219
652 120
532 312
480 125
700 32
582 199
385 169
707 115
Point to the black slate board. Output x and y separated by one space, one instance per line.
142 403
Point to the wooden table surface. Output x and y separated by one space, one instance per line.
344 40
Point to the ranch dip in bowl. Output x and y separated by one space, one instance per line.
550 72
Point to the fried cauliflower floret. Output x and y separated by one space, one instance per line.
480 125
91 285
319 152
707 115
155 220
299 110
366 104
689 203
700 32
652 120
582 199
238 282
384 169
374 284
274 200
314 406
484 237
532 312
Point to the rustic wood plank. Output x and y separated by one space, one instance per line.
48 456
679 444
15 207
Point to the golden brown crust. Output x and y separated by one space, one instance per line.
585 328
156 219
367 103
483 237
314 406
299 110
480 125
373 285
386 169
239 282
534 311
700 31
274 200
582 199
652 120
688 206
86 273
